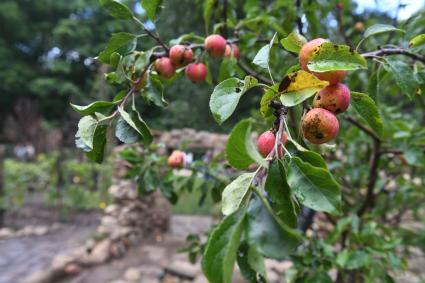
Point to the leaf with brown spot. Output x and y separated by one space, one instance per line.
299 86
332 57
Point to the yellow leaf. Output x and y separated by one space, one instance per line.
300 80
299 86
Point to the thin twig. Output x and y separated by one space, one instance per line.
151 34
373 175
253 73
365 129
374 163
393 51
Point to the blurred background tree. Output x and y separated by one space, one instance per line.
48 49
46 55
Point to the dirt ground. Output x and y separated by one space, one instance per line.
21 256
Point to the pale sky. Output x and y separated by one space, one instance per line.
390 6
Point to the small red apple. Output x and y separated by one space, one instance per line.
334 98
305 54
266 142
215 44
176 159
319 126
165 67
196 72
232 50
180 55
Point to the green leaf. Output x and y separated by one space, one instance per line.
142 61
309 156
125 133
293 42
332 57
117 9
227 68
279 192
91 137
240 151
403 74
99 142
313 158
268 96
342 225
379 28
226 95
251 264
136 122
220 252
86 128
315 187
353 259
263 56
299 86
117 41
154 91
366 107
267 235
414 156
235 193
418 40
209 78
293 69
151 7
97 106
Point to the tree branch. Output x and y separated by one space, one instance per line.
373 174
253 73
374 163
154 36
366 130
393 51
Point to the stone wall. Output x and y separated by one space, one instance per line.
193 139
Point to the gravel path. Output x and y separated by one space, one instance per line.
22 256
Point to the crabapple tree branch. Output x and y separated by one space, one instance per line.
363 128
393 51
373 175
152 35
253 73
374 163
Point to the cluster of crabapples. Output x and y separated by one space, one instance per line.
319 125
182 56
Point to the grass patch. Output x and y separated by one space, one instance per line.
189 204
